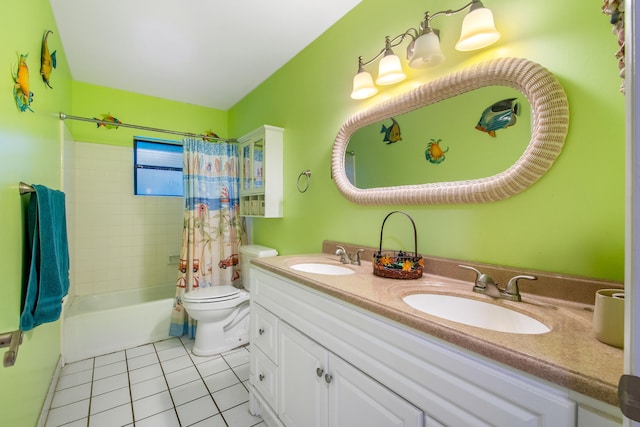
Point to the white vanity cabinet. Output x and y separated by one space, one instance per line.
318 388
381 373
589 418
261 178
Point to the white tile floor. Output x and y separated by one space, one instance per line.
159 385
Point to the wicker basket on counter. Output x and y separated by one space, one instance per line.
398 264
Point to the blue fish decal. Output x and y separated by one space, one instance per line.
498 116
391 133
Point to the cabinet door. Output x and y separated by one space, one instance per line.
258 165
265 377
355 399
588 417
261 186
246 178
264 331
302 385
252 164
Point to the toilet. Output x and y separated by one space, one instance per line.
222 312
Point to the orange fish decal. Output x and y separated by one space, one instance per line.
21 90
108 118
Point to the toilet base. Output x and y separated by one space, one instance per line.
212 339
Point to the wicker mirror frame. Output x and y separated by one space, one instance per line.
550 122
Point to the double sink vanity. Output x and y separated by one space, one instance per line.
332 344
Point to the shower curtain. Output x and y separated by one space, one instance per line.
213 229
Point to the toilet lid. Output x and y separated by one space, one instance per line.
213 293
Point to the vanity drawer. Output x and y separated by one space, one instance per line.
265 377
264 331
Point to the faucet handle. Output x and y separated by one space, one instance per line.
482 279
512 286
468 267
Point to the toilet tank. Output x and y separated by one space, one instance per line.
249 252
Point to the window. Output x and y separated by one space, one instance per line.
157 167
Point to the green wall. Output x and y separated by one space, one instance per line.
570 222
92 101
30 151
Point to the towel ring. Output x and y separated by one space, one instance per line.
306 173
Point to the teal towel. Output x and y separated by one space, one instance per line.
48 280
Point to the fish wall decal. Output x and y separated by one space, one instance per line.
113 122
47 60
499 115
434 153
391 133
21 89
211 135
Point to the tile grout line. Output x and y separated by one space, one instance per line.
239 379
190 353
156 351
93 371
133 412
93 380
164 376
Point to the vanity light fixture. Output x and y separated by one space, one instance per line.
478 31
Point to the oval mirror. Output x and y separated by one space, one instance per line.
524 97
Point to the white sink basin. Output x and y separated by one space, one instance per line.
320 268
476 313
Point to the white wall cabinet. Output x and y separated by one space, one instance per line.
261 177
372 361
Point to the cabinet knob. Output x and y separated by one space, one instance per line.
319 372
328 378
261 377
261 331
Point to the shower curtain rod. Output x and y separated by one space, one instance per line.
64 116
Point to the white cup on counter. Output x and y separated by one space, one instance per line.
608 317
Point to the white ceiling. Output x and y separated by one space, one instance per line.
204 52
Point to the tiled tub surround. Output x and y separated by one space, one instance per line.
569 356
120 241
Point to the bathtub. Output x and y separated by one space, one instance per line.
103 323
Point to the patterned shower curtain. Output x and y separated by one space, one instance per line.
213 229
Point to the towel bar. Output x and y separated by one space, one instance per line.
25 188
11 340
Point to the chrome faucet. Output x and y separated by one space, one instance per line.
484 284
345 258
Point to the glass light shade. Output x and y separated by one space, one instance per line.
425 51
478 30
363 86
390 70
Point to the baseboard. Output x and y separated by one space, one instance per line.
42 419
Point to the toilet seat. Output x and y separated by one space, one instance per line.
213 294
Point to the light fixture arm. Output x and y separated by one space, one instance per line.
474 5
425 26
423 51
388 45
